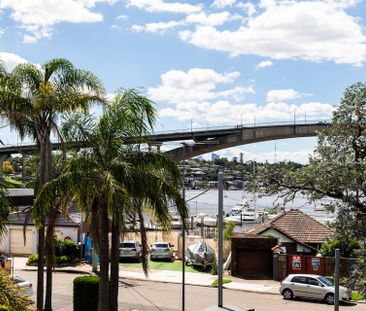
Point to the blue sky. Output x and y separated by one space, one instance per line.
207 62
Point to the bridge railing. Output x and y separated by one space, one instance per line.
205 128
243 125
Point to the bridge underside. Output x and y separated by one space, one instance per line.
243 136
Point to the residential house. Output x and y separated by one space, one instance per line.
21 239
297 232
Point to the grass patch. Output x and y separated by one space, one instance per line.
224 281
161 265
357 296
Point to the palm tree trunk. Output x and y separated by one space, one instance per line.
49 258
45 176
103 304
40 279
114 265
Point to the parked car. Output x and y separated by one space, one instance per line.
25 286
129 250
312 286
162 250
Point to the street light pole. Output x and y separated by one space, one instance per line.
183 242
337 257
220 237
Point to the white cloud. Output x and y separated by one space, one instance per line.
199 94
264 64
122 17
157 27
214 19
222 3
282 95
308 30
38 17
201 18
155 6
223 112
248 7
11 60
196 85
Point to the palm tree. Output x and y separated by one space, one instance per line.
32 98
108 177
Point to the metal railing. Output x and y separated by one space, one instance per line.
206 128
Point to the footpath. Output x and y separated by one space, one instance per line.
168 276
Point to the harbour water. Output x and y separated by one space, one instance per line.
208 203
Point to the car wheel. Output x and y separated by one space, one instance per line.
287 294
329 299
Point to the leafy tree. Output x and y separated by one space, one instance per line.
109 180
228 230
337 169
11 297
348 247
32 99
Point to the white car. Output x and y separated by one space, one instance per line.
25 287
129 250
162 250
312 286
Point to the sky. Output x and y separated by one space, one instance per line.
204 63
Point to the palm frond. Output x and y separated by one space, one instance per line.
77 126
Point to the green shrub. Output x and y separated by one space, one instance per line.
347 245
86 293
33 259
357 296
66 248
215 283
63 259
214 268
11 298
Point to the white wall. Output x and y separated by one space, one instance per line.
281 237
63 232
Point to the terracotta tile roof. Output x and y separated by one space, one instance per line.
298 226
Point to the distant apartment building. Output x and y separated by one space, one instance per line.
214 156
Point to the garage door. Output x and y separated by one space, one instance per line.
17 246
254 263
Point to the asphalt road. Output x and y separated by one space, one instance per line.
148 296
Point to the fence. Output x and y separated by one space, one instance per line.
284 265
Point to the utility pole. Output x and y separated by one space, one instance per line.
220 242
183 242
337 257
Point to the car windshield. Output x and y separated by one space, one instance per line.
325 281
127 245
18 279
161 245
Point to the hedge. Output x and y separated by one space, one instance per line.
86 293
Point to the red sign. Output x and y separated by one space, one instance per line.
296 263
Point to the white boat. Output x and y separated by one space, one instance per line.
176 222
319 208
236 219
206 220
250 215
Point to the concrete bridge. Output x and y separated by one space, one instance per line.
210 141
204 140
